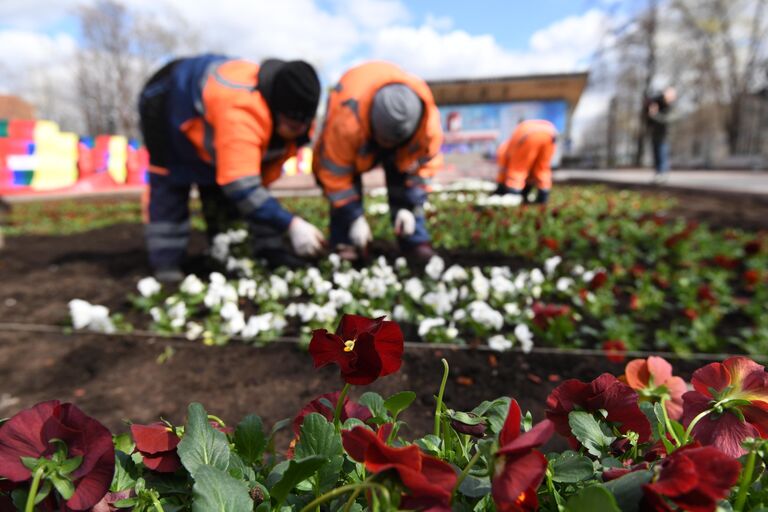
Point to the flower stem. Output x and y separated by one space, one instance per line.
465 472
667 423
744 483
341 490
439 406
30 506
693 423
339 406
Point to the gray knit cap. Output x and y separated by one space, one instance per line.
395 114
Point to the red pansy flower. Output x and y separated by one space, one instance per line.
692 478
614 351
350 409
729 384
605 392
705 294
543 314
28 434
598 280
653 380
157 445
364 348
519 468
752 277
550 243
429 480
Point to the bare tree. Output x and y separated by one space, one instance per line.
119 50
729 36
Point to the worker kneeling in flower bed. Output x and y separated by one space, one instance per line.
379 115
525 160
226 126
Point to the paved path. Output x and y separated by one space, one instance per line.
746 182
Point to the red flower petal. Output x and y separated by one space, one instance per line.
519 474
20 437
725 432
637 374
366 366
356 442
352 326
163 462
511 428
327 348
389 345
537 436
154 438
713 375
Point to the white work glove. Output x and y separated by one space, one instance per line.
360 232
305 238
405 223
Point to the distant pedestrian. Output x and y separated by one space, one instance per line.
658 118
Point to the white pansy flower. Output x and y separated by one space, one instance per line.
485 315
194 330
512 309
192 285
524 336
257 324
335 260
91 316
551 264
480 284
414 288
149 286
435 267
537 276
588 276
400 263
499 343
156 314
340 298
459 315
455 273
400 314
564 284
229 310
428 324
343 279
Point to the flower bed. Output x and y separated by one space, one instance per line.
594 270
645 441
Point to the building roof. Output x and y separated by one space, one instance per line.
13 107
563 86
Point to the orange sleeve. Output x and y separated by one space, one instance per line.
334 160
239 136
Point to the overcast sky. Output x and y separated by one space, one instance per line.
432 38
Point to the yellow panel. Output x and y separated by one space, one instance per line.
118 154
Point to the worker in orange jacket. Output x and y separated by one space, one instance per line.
379 115
525 158
227 126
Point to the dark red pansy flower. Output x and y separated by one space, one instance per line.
691 314
705 294
693 478
634 302
752 277
653 380
737 378
364 348
550 243
519 468
605 392
28 434
157 445
350 409
615 351
429 481
598 280
725 262
543 314
753 247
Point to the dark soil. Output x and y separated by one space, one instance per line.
116 378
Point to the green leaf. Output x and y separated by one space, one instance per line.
250 440
589 432
202 444
318 437
570 467
70 465
214 490
495 412
375 403
31 463
466 418
591 499
399 402
295 471
628 490
123 443
63 486
475 487
125 472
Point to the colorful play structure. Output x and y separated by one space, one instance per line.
36 158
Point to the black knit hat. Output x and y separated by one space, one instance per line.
295 91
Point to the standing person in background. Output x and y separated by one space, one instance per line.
227 126
658 116
525 160
379 114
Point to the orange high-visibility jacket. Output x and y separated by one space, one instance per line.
234 131
527 155
346 147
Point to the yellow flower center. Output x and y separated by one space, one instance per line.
349 345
